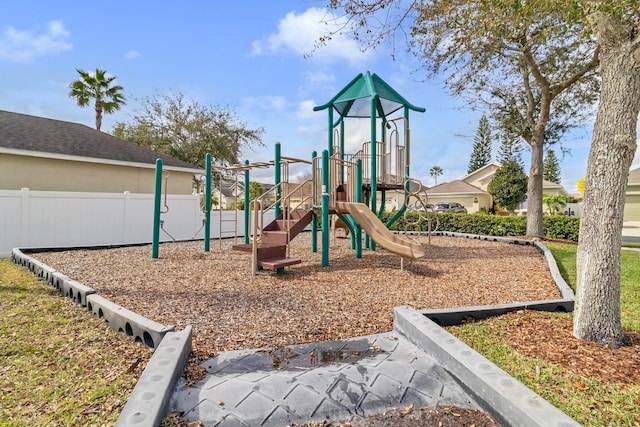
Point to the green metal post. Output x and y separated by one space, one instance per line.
358 200
407 142
278 179
155 248
342 149
330 131
314 223
207 203
247 214
325 208
374 169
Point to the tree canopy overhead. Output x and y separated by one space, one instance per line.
183 128
514 58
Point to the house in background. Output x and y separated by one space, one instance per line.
228 194
53 155
231 192
471 191
632 202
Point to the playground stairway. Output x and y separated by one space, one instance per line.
272 246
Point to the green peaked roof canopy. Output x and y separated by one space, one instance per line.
354 100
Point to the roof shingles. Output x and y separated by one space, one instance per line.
41 135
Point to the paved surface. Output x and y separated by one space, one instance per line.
631 232
337 380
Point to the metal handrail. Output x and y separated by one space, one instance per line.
256 206
421 197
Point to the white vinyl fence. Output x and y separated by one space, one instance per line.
56 219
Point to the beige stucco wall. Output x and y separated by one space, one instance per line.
473 203
44 174
482 178
632 203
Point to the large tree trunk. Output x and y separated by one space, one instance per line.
534 189
597 311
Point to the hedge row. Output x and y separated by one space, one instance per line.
556 226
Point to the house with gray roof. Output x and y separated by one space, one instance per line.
53 155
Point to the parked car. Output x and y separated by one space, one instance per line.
451 207
421 207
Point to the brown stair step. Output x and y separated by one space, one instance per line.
275 237
277 263
264 250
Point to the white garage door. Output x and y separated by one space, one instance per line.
632 208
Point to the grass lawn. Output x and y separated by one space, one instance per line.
589 400
60 364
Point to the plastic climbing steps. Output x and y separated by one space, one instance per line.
271 250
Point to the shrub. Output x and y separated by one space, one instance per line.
555 226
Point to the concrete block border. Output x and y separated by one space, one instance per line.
149 401
455 316
141 329
505 398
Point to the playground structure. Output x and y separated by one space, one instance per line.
349 188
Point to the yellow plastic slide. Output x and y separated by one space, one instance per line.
380 234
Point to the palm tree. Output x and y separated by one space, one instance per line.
435 172
97 86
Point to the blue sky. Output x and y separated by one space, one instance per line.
247 55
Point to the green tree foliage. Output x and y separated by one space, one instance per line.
98 87
555 202
510 149
255 190
482 142
435 172
509 185
183 128
551 167
515 58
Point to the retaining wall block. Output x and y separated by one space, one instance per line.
457 316
17 256
506 398
76 291
120 319
46 272
149 402
58 280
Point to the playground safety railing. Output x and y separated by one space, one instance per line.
390 162
342 180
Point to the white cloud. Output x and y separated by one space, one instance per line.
24 46
305 110
131 54
299 33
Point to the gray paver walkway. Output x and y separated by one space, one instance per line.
337 380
